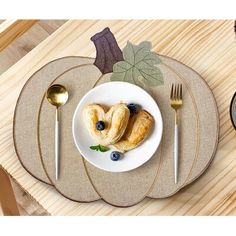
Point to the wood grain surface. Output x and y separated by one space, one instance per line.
206 46
12 29
26 42
8 57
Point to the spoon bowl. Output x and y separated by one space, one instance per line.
57 95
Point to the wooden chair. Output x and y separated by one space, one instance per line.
7 197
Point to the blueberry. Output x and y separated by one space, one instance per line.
115 156
100 125
133 108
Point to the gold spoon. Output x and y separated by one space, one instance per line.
57 95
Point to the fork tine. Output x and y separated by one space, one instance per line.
181 91
172 92
175 92
178 92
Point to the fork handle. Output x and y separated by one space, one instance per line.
176 148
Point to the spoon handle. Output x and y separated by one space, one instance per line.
57 145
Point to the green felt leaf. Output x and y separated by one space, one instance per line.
140 66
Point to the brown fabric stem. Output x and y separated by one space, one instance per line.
107 49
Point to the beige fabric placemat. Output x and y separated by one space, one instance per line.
73 179
199 136
26 116
208 115
206 134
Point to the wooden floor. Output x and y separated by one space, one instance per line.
8 57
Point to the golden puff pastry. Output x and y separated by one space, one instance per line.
116 121
138 128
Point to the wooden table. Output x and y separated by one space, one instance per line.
209 47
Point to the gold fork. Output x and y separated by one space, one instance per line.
176 103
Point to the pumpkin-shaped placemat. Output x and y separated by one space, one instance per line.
80 181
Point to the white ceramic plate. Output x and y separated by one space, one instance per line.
111 93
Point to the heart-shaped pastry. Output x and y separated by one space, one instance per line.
138 129
116 121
